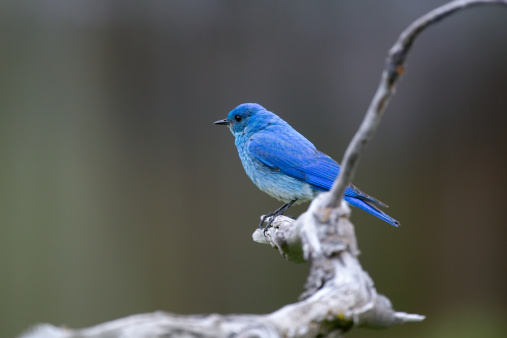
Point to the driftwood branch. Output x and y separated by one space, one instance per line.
339 294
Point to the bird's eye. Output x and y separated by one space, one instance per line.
238 118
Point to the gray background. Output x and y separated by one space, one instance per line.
119 196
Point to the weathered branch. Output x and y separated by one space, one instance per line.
394 68
339 294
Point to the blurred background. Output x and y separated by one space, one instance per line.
119 196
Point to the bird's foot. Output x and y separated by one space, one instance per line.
271 216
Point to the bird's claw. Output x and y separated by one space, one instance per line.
271 217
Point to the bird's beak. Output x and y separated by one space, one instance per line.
222 122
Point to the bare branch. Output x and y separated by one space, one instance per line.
394 68
338 294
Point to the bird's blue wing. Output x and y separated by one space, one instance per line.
295 156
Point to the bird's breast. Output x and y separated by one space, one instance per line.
273 182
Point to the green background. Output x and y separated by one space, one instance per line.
118 195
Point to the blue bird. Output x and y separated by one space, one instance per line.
285 165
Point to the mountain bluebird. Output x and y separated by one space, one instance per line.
285 165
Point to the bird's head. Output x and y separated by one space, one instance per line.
247 118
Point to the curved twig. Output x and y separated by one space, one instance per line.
394 68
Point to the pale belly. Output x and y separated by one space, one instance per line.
275 183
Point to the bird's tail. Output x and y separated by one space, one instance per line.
361 204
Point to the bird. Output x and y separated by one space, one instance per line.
284 164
